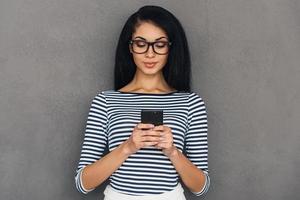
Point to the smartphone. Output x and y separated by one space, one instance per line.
154 117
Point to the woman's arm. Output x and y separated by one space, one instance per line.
192 168
95 174
196 148
95 140
194 178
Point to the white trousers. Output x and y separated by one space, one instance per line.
175 194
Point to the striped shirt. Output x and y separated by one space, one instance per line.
113 115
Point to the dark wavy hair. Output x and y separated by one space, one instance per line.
178 66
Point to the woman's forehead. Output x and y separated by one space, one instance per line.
149 31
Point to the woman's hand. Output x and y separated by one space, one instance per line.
141 138
166 140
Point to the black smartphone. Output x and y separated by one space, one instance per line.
152 117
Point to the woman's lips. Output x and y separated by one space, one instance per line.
150 64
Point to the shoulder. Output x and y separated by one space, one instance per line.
104 93
195 96
196 101
100 96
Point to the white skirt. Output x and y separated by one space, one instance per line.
175 194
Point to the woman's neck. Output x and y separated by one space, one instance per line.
148 84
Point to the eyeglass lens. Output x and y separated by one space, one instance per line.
141 46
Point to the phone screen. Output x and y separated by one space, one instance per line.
152 117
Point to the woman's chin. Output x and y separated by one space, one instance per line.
149 71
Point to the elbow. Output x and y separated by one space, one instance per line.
78 183
206 186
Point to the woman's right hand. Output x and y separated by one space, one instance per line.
141 138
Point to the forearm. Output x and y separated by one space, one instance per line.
192 177
95 174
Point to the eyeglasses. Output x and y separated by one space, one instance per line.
142 46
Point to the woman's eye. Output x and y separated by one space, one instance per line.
140 44
160 44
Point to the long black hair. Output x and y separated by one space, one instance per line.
178 67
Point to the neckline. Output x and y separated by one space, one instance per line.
142 93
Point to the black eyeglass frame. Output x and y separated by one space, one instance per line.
150 44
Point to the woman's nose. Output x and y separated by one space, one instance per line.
150 53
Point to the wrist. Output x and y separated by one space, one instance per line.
125 148
173 153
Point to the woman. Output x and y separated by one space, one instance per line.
152 71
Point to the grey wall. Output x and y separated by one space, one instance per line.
55 56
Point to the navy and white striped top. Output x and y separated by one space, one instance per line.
111 119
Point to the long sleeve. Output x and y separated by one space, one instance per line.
196 138
95 138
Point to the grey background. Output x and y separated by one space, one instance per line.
55 56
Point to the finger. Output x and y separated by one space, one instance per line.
149 143
150 139
158 147
144 133
151 133
159 128
161 139
162 144
145 126
166 134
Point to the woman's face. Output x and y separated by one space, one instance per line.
150 33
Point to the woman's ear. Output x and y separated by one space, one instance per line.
129 48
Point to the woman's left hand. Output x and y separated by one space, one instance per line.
166 140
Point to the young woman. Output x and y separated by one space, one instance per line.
152 71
